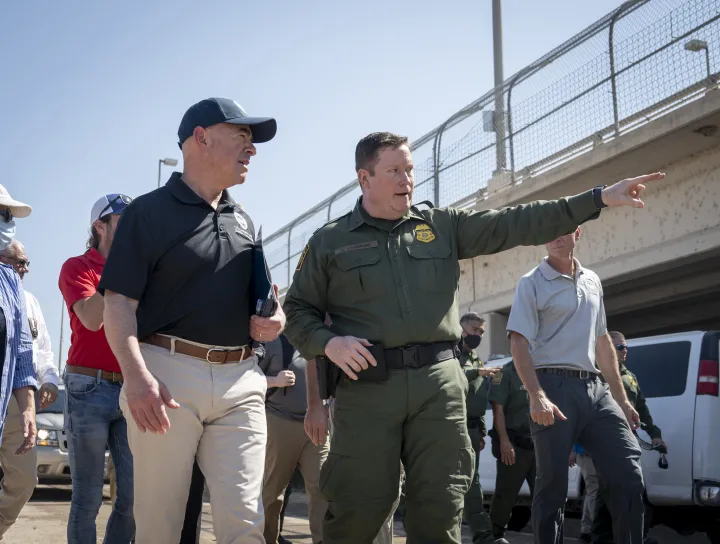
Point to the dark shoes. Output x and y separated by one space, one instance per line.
283 540
585 537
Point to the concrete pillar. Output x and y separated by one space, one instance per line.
495 340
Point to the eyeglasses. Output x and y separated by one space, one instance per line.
124 199
6 214
20 262
621 347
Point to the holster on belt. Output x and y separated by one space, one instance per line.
416 356
328 375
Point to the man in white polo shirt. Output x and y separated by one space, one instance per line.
560 345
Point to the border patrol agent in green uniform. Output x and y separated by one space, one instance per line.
512 445
472 325
387 273
602 532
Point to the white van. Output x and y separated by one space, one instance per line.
678 373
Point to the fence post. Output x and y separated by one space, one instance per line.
511 142
613 81
611 47
288 256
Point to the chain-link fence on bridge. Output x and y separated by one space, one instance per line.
637 63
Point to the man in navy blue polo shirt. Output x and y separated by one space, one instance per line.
179 318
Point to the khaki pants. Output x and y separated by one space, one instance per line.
221 420
287 447
20 471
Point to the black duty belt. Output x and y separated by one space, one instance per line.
582 374
420 355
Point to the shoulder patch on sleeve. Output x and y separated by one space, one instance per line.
497 378
301 260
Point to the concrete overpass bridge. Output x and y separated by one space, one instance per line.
660 266
633 93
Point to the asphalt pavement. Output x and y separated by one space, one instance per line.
44 521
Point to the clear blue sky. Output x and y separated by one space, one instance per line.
93 92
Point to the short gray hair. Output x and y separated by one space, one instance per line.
472 316
12 249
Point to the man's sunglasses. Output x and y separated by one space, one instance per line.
124 199
6 215
21 262
621 347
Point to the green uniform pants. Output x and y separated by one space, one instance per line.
474 511
508 482
417 416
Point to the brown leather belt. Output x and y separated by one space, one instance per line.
212 355
115 377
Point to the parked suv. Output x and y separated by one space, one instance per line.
678 373
53 465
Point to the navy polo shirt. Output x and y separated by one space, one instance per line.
187 264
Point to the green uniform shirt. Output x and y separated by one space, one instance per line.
395 282
508 390
637 399
478 387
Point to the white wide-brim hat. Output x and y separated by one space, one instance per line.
18 209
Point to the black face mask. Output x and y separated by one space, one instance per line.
472 340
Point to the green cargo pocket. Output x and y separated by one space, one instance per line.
433 268
359 276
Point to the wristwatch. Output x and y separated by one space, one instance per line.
597 195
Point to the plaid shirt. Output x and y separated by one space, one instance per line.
18 369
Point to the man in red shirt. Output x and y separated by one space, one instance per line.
93 419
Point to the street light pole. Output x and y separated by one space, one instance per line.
499 117
166 162
696 46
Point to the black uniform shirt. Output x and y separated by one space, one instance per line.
187 264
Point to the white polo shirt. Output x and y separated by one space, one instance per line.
560 316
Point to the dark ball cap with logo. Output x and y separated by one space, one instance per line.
212 111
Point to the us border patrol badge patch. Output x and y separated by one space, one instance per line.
423 233
497 378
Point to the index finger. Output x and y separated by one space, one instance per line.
154 418
647 177
362 350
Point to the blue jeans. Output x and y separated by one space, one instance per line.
93 421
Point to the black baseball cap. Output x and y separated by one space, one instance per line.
212 111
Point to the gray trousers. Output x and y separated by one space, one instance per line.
597 423
592 488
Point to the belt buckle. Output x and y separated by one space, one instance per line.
584 374
410 357
207 355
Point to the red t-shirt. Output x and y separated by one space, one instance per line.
79 278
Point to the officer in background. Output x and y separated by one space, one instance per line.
511 445
473 328
602 523
387 273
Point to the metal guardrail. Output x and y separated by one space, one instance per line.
637 63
